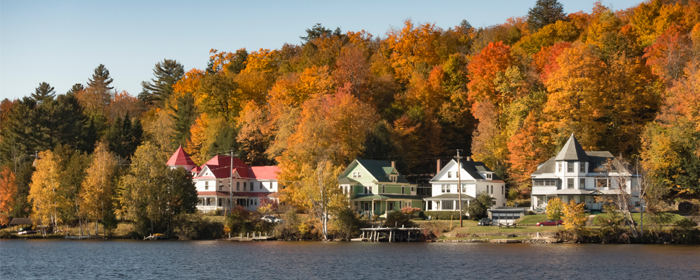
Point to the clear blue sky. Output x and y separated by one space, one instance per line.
61 42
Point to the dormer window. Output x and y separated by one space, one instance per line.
393 178
488 175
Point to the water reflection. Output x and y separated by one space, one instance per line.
50 259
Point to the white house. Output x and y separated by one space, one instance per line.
476 178
575 174
251 185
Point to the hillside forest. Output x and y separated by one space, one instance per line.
625 81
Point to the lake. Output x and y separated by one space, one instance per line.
121 259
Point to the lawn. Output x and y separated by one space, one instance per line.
600 218
532 219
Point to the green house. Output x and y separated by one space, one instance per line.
375 187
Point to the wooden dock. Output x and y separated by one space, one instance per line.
389 234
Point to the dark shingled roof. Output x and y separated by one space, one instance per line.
596 163
572 150
381 169
21 221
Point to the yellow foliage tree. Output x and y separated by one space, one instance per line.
8 190
574 215
97 188
554 209
45 191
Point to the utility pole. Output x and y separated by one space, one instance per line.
230 185
459 187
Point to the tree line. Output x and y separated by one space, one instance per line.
510 94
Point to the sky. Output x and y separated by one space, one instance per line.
61 42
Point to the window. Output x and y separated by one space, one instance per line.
206 185
449 174
558 166
447 205
582 183
412 189
601 183
357 174
569 167
403 190
464 188
570 183
238 186
503 189
491 189
445 188
260 185
245 187
383 188
488 175
582 167
251 186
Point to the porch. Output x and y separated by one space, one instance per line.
382 204
447 202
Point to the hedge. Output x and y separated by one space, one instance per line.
440 215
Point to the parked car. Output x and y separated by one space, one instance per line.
271 219
485 222
550 223
26 230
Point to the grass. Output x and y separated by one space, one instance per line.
532 219
601 218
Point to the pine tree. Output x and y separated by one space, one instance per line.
159 89
100 78
543 13
185 115
75 89
44 93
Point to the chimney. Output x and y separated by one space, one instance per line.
393 164
438 167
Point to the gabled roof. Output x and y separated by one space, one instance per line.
471 167
220 166
264 172
596 163
379 169
572 150
180 157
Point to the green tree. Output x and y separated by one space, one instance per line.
75 89
159 89
124 136
101 78
185 113
478 208
44 93
543 13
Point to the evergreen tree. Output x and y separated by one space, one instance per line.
43 93
543 13
166 73
185 115
124 136
100 78
75 89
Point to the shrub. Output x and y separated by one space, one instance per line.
478 208
398 219
195 226
433 229
5 234
685 224
410 210
347 223
441 215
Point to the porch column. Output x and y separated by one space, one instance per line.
372 206
454 205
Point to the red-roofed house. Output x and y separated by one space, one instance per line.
212 180
181 159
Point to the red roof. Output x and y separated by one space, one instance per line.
180 157
220 166
264 172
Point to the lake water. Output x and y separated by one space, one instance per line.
81 259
